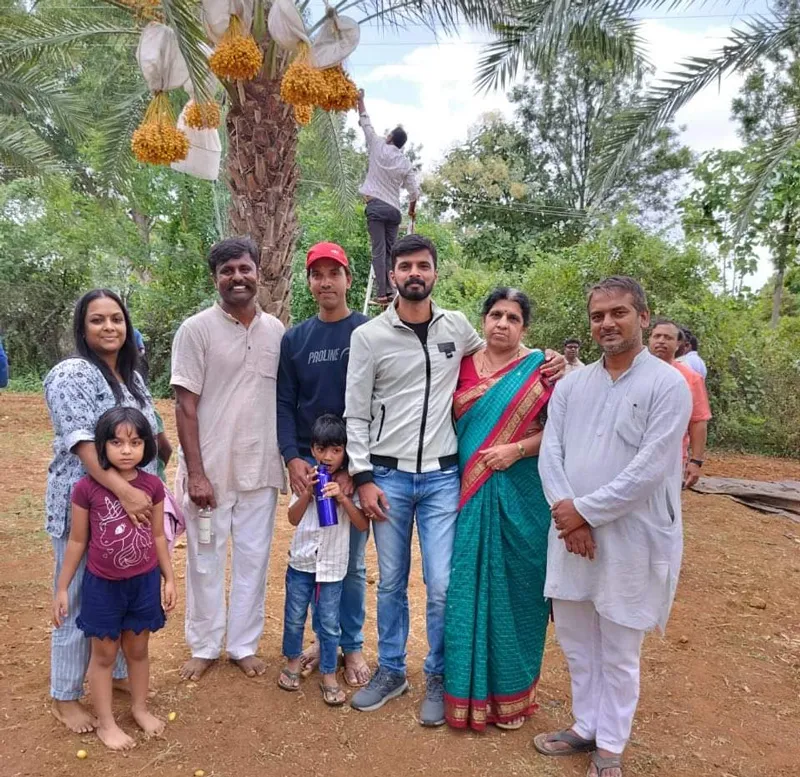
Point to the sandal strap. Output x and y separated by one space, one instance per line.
290 675
570 737
602 763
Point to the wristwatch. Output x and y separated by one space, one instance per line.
699 462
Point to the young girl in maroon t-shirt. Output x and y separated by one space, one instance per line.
121 593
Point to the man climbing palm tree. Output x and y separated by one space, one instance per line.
389 171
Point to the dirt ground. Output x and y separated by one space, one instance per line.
720 693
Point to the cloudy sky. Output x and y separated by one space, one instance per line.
426 84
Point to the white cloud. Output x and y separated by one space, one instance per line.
446 104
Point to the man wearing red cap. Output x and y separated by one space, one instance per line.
311 382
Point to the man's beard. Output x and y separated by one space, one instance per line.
415 294
621 347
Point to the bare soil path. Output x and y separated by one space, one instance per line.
720 693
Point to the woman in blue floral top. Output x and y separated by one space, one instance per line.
78 391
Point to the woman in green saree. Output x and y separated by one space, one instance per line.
496 617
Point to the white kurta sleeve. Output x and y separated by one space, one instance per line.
551 456
661 442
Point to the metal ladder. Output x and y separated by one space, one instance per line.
370 283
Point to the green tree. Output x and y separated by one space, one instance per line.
537 31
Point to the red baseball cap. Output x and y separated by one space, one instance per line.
327 251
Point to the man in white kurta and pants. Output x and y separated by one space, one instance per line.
611 469
224 372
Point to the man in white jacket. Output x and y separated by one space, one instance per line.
611 469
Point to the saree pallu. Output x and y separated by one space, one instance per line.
496 614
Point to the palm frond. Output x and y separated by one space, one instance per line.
30 89
115 159
763 166
440 15
183 17
22 151
632 128
28 37
533 42
328 129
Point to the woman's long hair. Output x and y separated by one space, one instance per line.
128 356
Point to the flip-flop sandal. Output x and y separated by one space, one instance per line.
331 695
511 725
291 676
349 673
605 764
576 744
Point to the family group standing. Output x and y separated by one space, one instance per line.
531 492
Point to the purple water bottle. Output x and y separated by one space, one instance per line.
326 505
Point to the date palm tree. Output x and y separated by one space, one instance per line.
261 169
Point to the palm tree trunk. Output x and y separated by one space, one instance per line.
263 175
777 298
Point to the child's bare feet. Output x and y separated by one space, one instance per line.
114 738
195 668
310 659
74 716
149 723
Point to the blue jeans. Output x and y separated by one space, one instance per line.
301 591
352 610
433 498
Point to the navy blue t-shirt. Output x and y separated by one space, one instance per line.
311 378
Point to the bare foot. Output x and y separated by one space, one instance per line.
149 723
74 716
356 669
114 738
309 660
195 668
250 665
124 685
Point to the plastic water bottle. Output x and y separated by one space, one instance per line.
204 525
205 548
326 505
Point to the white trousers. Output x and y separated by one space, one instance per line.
603 660
249 521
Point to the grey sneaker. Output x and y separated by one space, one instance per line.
383 687
431 712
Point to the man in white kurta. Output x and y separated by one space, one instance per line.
611 465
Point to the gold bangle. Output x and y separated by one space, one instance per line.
521 449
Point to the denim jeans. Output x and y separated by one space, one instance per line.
431 497
301 591
352 610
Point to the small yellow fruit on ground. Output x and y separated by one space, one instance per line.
199 773
172 716
82 754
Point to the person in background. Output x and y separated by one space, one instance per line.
665 340
224 372
144 365
3 366
389 170
311 382
690 356
572 347
610 464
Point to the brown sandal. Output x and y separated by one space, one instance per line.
292 677
332 695
603 764
575 743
